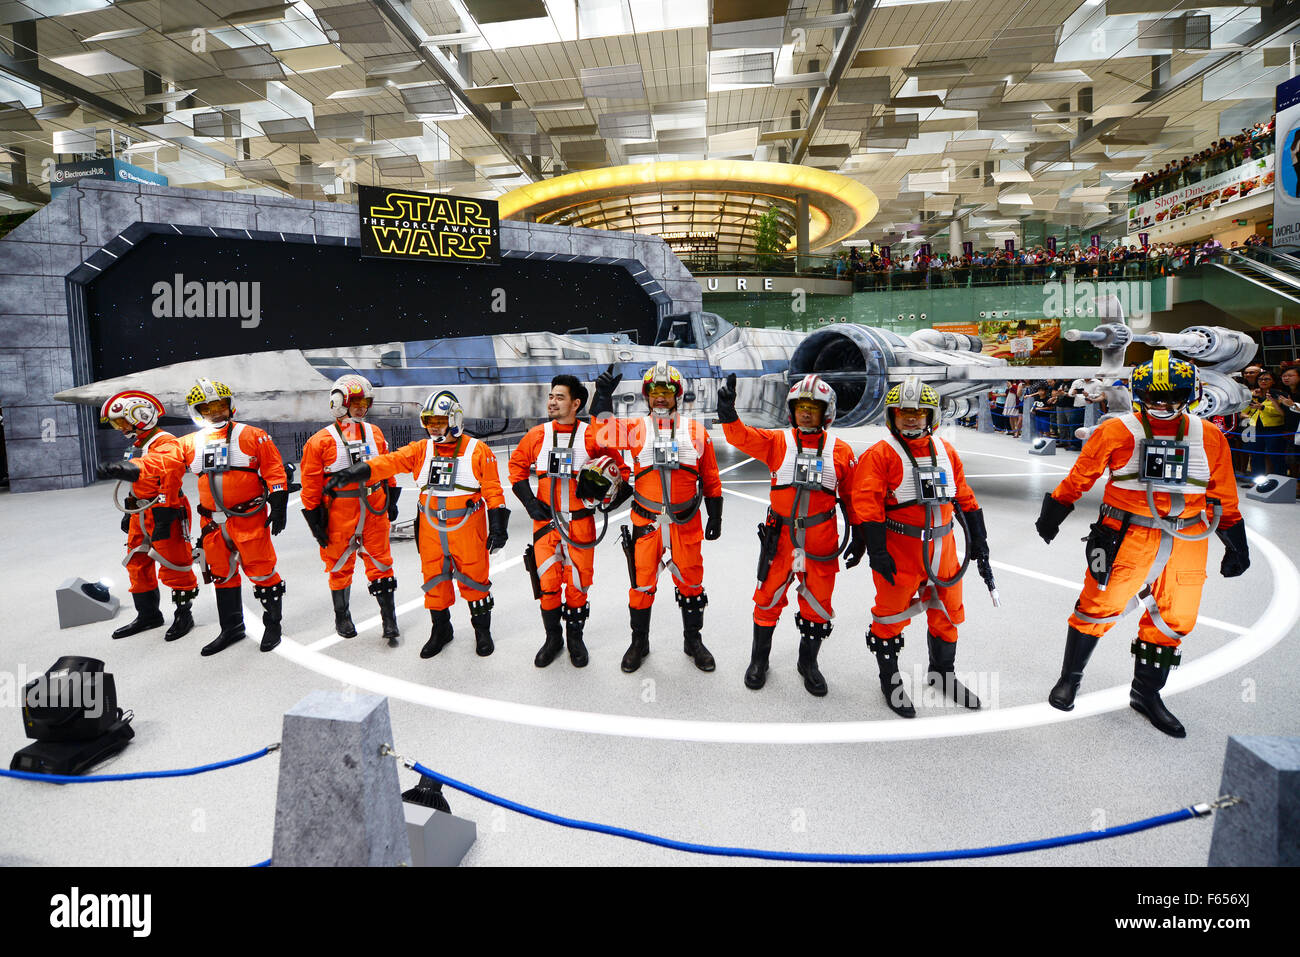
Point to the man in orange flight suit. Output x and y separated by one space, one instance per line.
904 488
341 525
243 489
457 478
799 538
561 565
157 515
1150 543
674 461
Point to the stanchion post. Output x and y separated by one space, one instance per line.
1264 829
338 803
985 421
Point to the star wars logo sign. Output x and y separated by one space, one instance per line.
400 224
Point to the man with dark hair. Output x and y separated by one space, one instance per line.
560 558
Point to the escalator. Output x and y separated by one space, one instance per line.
1258 284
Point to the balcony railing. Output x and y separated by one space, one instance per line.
1218 162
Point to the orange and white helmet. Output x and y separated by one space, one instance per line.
817 389
599 481
662 374
348 389
138 409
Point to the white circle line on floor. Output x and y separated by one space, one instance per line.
1282 611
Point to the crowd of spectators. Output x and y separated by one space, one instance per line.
877 270
1264 437
1251 143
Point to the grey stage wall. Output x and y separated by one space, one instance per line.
48 442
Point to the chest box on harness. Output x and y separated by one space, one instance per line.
808 468
1163 462
442 475
665 450
931 484
358 452
216 455
559 463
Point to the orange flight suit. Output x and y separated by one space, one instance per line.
878 475
254 468
162 466
633 435
1177 590
565 569
320 457
817 580
458 552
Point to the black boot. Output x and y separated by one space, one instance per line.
811 636
1151 667
342 614
147 614
640 646
692 623
480 616
554 637
230 612
272 598
1078 649
756 673
891 682
385 592
428 793
942 655
574 620
182 621
441 634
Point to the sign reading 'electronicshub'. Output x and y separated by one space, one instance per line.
401 224
1286 199
67 174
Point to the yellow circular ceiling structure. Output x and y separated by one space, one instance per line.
646 197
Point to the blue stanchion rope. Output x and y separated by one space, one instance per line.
265 863
139 775
1183 814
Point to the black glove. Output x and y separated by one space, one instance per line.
394 493
1236 557
353 473
537 511
857 545
1050 518
126 523
713 530
606 383
319 523
882 563
163 519
122 471
498 519
279 516
727 400
977 535
622 495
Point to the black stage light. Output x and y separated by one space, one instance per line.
71 711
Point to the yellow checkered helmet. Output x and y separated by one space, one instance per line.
1165 379
209 390
912 393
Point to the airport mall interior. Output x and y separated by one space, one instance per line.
304 303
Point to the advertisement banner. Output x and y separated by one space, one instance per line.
925 250
884 252
404 224
968 248
1022 341
1286 201
67 174
1209 193
1051 245
1009 245
1144 240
